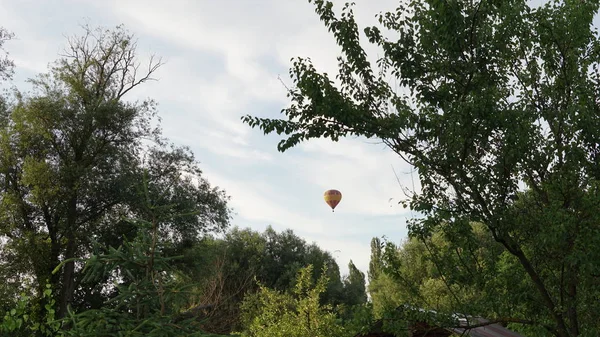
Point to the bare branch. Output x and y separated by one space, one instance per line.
102 65
6 65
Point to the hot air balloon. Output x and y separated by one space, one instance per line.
332 198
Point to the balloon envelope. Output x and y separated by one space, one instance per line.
332 198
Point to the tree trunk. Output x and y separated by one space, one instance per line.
572 310
68 284
55 248
562 330
68 279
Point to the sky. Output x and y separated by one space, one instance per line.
224 59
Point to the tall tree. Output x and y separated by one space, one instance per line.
72 157
501 118
10 284
375 263
355 290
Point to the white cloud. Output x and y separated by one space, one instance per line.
345 250
256 200
366 177
259 202
239 37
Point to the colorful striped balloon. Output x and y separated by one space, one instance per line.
332 198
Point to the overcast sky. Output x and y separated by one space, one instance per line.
223 59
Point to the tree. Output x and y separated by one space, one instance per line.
232 268
296 314
72 157
384 292
443 274
150 294
375 263
6 64
11 285
286 253
228 270
355 291
501 119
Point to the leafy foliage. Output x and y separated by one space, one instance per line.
376 260
355 292
19 321
149 295
461 274
499 113
231 268
296 314
72 156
